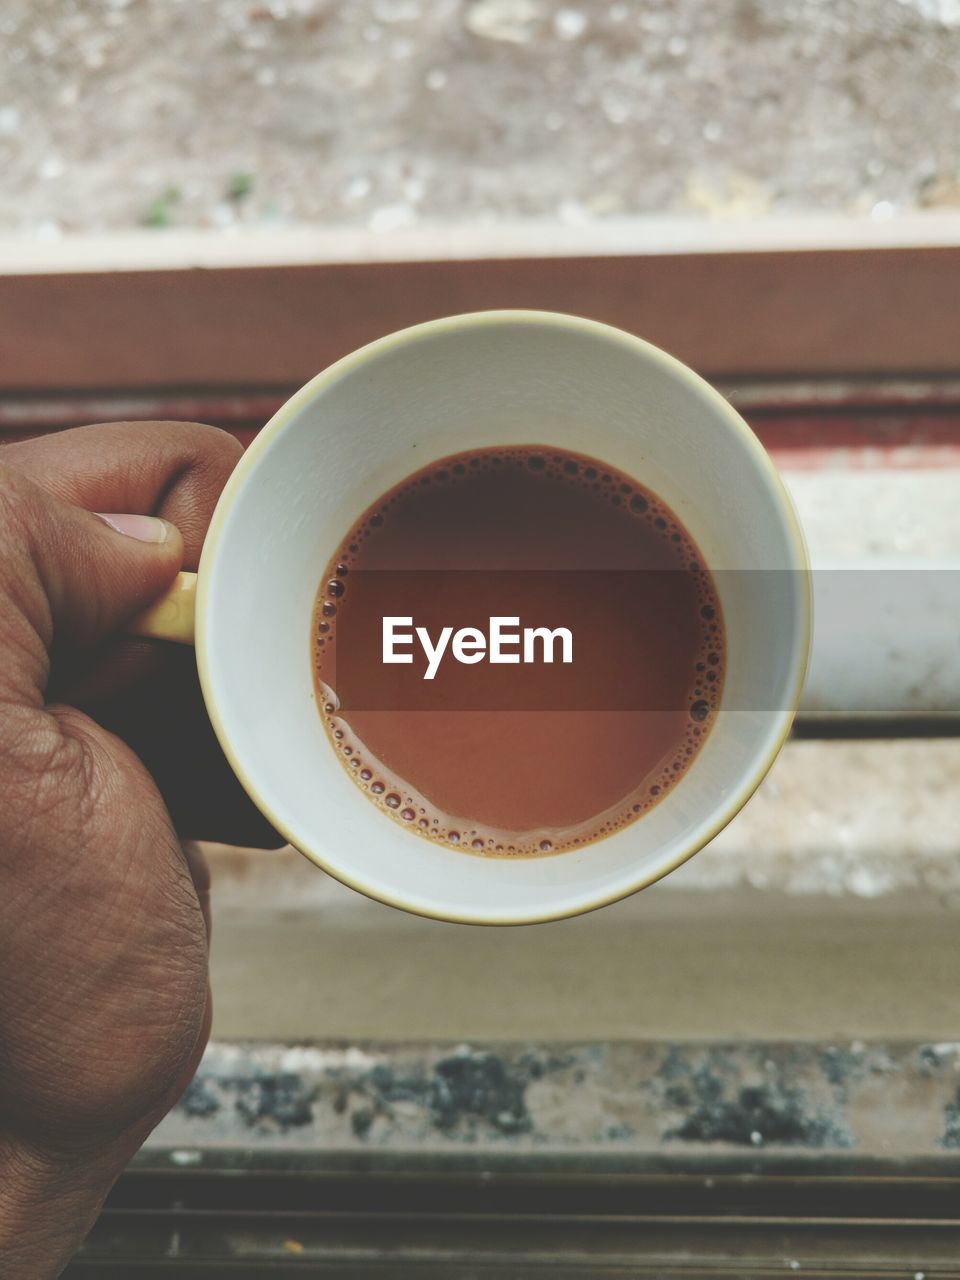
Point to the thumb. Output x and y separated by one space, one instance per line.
75 576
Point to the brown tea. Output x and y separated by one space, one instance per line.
517 651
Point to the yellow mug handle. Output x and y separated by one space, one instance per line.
172 616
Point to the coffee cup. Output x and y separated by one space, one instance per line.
360 427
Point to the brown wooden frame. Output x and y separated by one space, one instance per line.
732 313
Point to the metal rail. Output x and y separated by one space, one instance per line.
582 1223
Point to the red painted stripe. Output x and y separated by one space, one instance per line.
804 429
860 441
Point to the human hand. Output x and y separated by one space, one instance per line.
147 693
104 999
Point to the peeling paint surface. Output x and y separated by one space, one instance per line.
643 1099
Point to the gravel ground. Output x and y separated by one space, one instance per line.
388 113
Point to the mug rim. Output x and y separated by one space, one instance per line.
478 319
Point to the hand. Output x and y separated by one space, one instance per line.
104 999
149 694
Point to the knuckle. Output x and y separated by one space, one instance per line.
184 446
205 458
206 446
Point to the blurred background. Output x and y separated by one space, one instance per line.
383 114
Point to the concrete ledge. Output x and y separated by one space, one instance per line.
148 250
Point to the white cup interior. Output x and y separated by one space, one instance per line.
384 412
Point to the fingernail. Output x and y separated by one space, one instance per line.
143 528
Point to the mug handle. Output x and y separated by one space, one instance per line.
171 617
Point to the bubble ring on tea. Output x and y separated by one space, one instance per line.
518 768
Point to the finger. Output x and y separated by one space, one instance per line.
171 469
175 470
145 692
68 574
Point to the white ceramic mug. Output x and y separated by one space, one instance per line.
363 425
